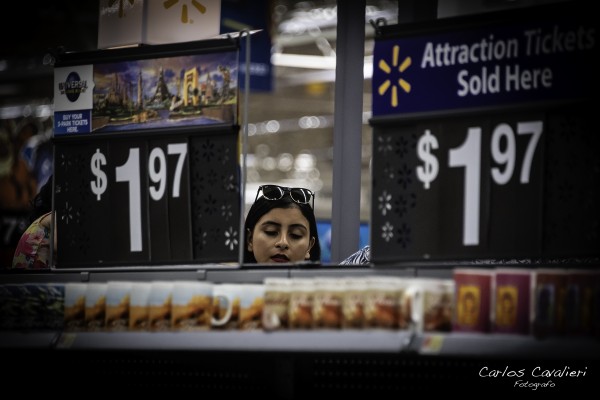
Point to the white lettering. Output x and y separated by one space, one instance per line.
428 56
485 50
487 82
517 79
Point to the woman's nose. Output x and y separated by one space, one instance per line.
282 243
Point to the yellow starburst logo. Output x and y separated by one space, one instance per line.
385 86
184 9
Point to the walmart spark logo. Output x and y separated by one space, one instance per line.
387 84
184 9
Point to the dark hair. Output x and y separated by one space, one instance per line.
262 206
42 202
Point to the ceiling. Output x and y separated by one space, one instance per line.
40 28
73 26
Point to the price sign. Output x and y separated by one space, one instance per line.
130 174
485 187
483 138
440 180
157 200
146 155
468 157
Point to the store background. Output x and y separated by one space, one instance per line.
294 364
290 109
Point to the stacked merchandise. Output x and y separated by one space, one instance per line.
540 302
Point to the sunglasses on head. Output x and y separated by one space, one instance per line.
276 192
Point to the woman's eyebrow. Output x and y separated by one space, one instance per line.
279 225
270 223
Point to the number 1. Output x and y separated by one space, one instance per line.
468 155
130 172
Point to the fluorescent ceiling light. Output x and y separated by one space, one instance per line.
303 61
316 62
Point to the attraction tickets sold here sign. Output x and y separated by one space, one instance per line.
146 156
485 144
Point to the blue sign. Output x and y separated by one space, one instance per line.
236 16
72 122
485 66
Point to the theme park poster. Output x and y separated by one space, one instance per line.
158 93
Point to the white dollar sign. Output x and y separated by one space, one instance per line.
427 173
99 185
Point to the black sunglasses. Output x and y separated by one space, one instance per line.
276 192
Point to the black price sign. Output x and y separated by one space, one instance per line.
484 143
481 187
130 173
159 199
146 155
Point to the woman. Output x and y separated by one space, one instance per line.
281 227
33 249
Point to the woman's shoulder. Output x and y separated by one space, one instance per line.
44 220
32 251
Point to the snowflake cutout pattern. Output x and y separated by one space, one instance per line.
403 203
404 176
230 184
67 214
231 240
199 184
210 205
64 161
224 154
226 211
208 151
403 235
203 240
402 147
387 231
384 144
388 172
384 202
213 178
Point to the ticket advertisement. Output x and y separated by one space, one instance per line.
153 93
484 143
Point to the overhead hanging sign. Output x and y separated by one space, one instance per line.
485 65
135 22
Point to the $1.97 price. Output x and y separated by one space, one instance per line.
503 150
129 172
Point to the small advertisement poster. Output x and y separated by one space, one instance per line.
73 91
166 92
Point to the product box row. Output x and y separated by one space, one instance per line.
542 302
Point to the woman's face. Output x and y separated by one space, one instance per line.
281 235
